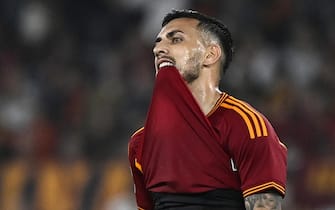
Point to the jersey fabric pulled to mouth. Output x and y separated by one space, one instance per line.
179 141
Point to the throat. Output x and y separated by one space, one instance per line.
208 100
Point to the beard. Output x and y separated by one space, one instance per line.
191 71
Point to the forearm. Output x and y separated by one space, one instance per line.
263 201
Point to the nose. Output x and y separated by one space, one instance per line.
160 49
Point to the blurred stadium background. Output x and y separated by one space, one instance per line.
76 78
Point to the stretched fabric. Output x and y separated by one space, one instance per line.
179 142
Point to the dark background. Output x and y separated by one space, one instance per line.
76 79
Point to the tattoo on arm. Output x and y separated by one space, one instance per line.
263 201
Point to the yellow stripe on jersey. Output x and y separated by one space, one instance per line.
282 144
252 114
262 187
255 122
218 104
136 132
260 118
139 208
138 165
243 115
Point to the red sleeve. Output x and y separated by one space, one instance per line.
143 198
257 152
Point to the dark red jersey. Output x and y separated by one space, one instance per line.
183 151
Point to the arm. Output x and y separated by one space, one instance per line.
143 198
263 201
260 159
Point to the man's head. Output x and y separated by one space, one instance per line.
190 40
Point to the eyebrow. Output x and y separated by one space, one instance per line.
169 35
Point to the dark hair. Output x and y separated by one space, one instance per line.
207 23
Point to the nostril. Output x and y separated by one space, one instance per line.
161 52
157 52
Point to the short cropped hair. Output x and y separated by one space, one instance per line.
207 24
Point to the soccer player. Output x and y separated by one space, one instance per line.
201 148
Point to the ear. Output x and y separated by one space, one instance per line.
213 54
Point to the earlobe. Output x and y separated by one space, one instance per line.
213 54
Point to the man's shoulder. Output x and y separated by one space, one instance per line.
233 103
136 136
241 114
135 141
137 133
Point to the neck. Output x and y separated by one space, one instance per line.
206 93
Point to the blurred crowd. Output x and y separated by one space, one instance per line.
76 79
